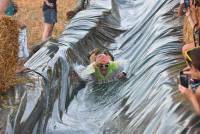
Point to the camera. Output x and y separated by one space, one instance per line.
184 80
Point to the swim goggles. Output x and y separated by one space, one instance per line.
103 65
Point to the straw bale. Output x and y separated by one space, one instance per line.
187 29
9 46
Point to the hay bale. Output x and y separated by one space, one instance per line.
9 46
187 29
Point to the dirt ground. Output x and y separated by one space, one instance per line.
30 13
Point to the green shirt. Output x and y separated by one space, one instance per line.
112 68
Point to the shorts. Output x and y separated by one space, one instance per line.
50 16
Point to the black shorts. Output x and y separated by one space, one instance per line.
50 16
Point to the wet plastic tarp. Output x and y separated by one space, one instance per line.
145 32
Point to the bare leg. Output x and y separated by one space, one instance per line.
48 29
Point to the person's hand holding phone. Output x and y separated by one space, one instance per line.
182 89
184 80
194 73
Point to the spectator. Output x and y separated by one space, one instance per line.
3 7
193 19
193 70
11 9
180 10
50 18
7 8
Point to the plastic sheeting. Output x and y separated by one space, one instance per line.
148 34
23 48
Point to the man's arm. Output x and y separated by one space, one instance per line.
195 74
191 97
48 3
84 72
124 65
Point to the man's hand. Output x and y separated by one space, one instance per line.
187 92
187 68
194 73
121 75
182 89
48 3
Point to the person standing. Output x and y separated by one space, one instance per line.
3 7
192 89
50 18
12 8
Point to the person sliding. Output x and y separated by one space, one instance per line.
104 69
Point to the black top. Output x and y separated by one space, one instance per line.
47 7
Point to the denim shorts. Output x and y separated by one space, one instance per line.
50 16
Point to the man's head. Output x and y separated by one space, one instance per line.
194 55
102 61
197 3
3 6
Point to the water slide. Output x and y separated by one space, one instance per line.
147 33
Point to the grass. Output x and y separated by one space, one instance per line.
30 13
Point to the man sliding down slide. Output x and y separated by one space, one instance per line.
104 70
